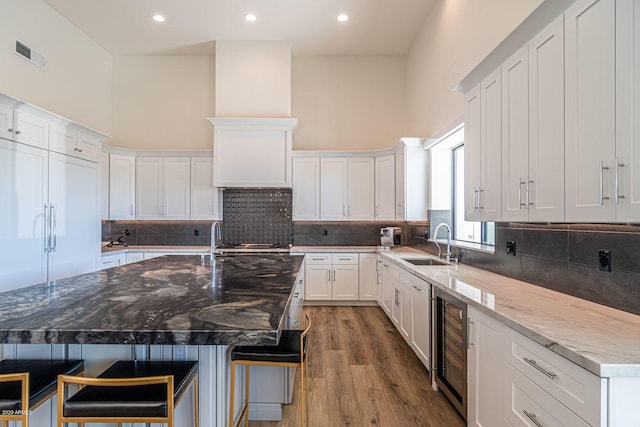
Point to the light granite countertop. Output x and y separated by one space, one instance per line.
603 340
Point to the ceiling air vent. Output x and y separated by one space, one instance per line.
36 58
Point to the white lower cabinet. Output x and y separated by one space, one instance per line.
131 257
401 307
368 277
388 289
421 319
112 260
485 370
331 277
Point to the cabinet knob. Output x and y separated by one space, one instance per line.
18 132
10 130
79 150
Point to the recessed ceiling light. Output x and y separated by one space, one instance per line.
250 17
158 18
343 17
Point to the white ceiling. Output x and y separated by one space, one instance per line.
125 27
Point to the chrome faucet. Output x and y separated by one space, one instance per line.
446 255
215 234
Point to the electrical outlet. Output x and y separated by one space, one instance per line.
196 232
511 248
324 232
604 260
179 352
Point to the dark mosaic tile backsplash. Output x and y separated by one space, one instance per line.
257 216
564 258
162 233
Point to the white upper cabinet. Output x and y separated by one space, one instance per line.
306 188
206 200
67 140
544 191
385 188
122 187
346 189
30 129
163 188
483 150
6 121
412 180
360 205
533 129
472 135
515 136
590 110
491 148
626 194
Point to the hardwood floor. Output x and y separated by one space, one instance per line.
362 373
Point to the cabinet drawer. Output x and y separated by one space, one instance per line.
344 258
572 385
317 259
526 404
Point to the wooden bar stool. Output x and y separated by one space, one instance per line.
129 391
26 384
291 351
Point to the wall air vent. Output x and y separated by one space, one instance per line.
36 58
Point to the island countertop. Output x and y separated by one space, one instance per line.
181 300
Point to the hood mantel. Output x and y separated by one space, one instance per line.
252 152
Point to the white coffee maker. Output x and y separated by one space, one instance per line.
390 236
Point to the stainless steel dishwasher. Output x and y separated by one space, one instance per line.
451 349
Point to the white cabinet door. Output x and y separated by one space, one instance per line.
472 136
361 189
421 320
333 189
385 188
122 187
400 185
344 282
149 188
306 188
89 147
30 129
627 162
368 278
75 208
131 257
515 136
546 124
491 148
388 287
205 198
63 140
404 303
6 121
104 184
485 370
176 180
590 110
23 190
317 282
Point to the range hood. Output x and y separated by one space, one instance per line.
252 152
253 128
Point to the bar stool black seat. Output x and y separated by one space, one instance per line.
27 383
291 351
130 391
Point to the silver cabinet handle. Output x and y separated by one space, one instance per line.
18 132
617 194
75 148
520 183
345 259
475 199
540 368
47 230
469 342
80 150
131 209
54 218
334 274
10 130
328 275
602 196
349 210
480 191
527 197
344 210
532 417
317 259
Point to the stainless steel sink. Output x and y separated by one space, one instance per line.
424 261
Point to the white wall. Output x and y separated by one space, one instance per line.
348 102
162 102
456 36
77 81
253 79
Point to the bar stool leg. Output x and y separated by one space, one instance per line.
196 397
246 401
232 392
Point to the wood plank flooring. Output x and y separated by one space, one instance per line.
362 373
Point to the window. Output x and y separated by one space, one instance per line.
447 191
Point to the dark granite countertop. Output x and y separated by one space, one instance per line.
180 299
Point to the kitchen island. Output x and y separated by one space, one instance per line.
163 308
